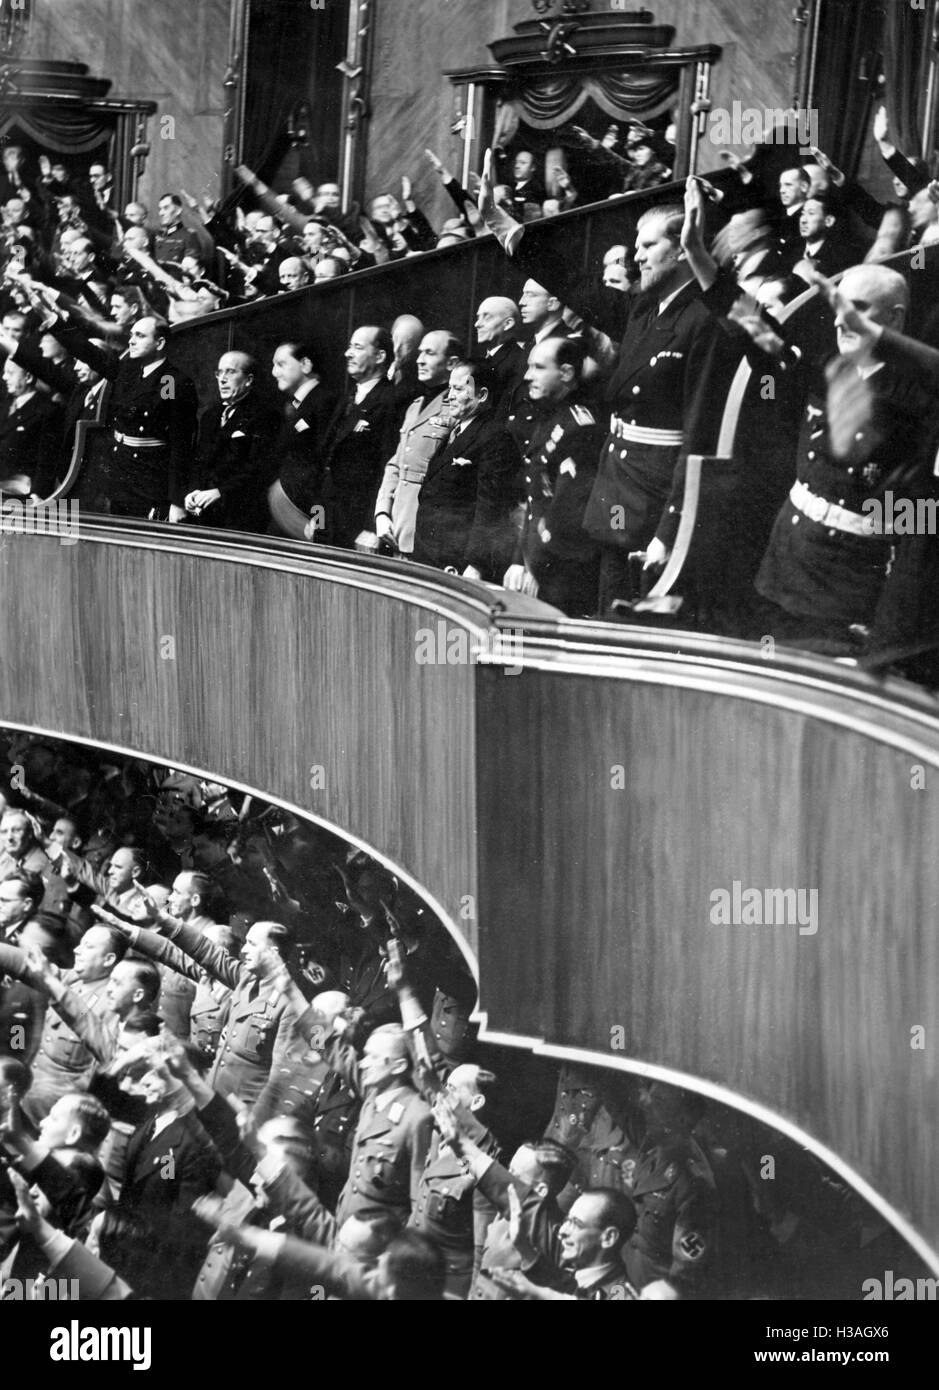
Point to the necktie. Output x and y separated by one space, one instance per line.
227 413
293 410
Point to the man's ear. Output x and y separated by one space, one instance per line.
478 1101
401 1065
609 1238
829 220
73 1134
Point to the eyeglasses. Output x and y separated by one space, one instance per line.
577 1224
228 371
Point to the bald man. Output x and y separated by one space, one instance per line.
395 1126
863 435
293 274
446 1202
229 478
498 329
423 429
406 334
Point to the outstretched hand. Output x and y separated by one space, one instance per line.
692 231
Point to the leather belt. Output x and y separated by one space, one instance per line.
133 442
828 513
645 434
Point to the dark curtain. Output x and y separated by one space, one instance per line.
546 102
287 43
847 68
906 52
58 129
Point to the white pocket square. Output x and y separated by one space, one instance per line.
300 426
461 463
237 434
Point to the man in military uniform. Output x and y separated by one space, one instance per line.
305 1087
260 1025
425 426
862 440
63 1063
666 334
555 559
395 1126
538 1172
674 1193
541 314
19 848
152 414
447 1200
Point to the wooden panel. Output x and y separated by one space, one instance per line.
257 676
442 287
604 888
498 796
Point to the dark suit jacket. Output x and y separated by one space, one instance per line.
160 405
236 459
298 448
361 440
151 1236
463 514
508 363
30 441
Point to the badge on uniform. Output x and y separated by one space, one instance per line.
671 1172
582 416
692 1245
395 1112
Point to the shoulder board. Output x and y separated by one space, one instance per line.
582 416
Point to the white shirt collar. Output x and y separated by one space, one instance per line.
363 388
303 391
152 366
589 1278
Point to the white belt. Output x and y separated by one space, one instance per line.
828 514
134 443
645 434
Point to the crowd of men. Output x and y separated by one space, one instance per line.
238 1063
550 456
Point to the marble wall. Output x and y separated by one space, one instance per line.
166 51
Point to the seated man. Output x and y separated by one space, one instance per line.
472 486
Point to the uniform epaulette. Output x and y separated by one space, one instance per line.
582 416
